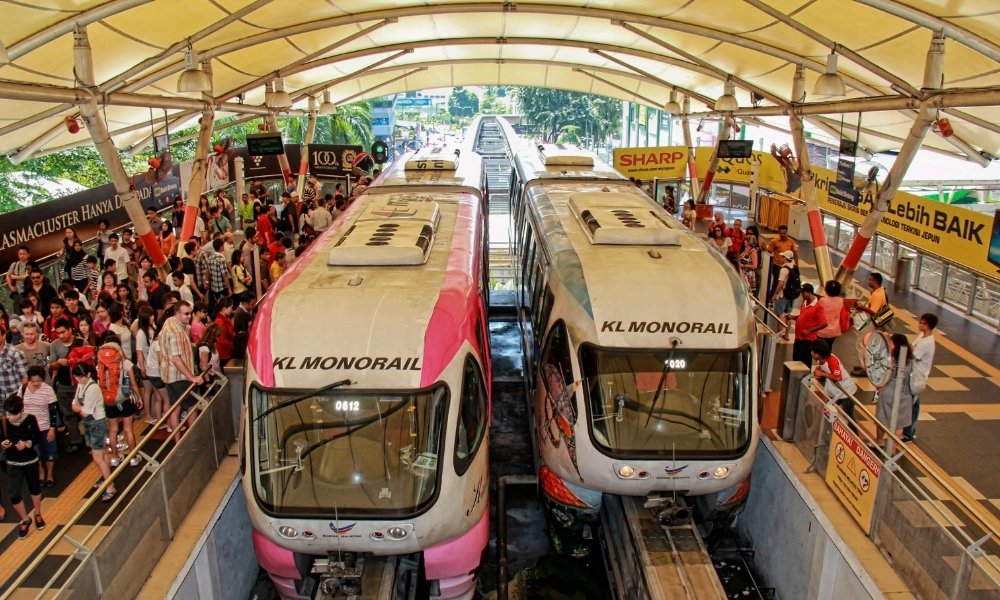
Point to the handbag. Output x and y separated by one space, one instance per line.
918 381
845 320
860 320
883 317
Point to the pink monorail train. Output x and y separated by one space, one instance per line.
367 400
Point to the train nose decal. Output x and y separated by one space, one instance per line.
341 530
670 471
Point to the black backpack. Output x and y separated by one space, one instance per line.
793 284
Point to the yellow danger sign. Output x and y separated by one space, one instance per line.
852 472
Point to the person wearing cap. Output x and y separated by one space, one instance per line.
782 305
777 248
811 319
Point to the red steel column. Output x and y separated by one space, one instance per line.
196 185
921 124
306 140
689 142
84 67
713 163
824 267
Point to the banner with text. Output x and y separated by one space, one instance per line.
952 232
41 227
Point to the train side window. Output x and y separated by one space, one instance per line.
542 314
557 367
471 416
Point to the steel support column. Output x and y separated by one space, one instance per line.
926 116
824 267
199 168
272 126
713 163
84 67
689 142
306 141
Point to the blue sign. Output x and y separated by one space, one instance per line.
412 102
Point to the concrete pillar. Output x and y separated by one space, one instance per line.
84 67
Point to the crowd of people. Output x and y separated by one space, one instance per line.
165 335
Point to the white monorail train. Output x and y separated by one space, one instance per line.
368 391
640 338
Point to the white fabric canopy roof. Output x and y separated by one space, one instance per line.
636 50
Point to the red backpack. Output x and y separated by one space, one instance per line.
80 354
110 364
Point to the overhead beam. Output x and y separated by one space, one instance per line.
947 28
117 81
69 25
366 92
620 88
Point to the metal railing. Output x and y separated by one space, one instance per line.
114 556
937 538
971 293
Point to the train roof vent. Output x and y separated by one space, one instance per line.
400 206
400 237
437 158
554 155
621 219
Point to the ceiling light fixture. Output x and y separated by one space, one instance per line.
727 101
830 84
279 97
192 78
327 107
672 107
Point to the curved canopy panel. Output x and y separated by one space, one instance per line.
636 50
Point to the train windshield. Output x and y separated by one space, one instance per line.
347 451
690 403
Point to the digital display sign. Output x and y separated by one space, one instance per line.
735 149
264 144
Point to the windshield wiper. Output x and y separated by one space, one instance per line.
305 396
663 381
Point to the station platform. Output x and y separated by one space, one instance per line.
959 419
959 423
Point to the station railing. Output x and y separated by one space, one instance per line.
940 541
114 556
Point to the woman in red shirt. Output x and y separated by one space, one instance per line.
224 345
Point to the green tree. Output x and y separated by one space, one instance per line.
595 117
569 134
462 102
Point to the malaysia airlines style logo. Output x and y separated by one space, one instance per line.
341 530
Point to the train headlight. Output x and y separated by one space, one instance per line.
721 472
396 532
626 471
288 531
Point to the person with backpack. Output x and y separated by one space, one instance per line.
61 365
88 402
117 380
786 290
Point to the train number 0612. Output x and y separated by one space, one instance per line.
347 405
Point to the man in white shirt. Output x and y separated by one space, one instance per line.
119 254
923 359
320 218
